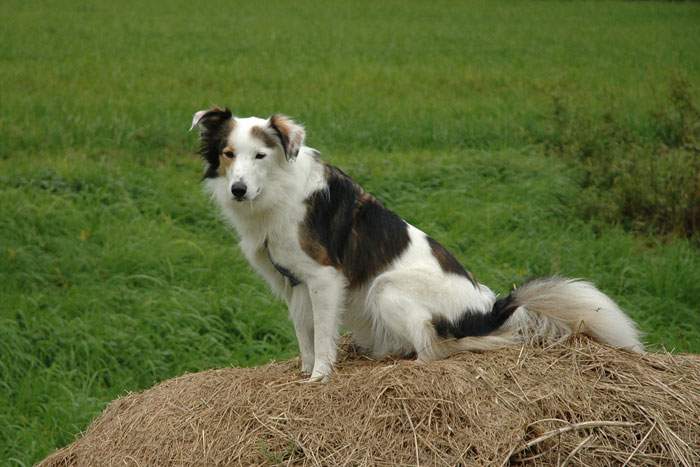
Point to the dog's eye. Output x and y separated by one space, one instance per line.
260 155
229 154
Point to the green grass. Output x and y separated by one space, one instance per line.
115 271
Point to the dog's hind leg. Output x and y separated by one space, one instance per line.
301 313
401 324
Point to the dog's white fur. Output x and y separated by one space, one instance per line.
392 313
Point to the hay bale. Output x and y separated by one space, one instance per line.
578 402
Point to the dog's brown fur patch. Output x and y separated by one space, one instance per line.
311 247
224 161
281 122
260 133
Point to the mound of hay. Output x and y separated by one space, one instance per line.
578 402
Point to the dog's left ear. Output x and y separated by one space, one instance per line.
290 134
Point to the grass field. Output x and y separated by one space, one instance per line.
115 271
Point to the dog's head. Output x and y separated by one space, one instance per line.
248 153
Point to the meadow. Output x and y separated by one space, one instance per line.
116 272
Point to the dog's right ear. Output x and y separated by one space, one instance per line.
214 127
210 119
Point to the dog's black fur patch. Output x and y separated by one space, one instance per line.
447 261
474 324
349 229
216 125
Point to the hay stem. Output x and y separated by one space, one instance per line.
575 450
572 427
506 402
640 444
415 436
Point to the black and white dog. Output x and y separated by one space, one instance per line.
338 257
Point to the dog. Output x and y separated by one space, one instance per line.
337 257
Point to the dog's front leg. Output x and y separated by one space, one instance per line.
301 313
327 293
260 260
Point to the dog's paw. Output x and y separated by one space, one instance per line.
307 368
318 378
321 374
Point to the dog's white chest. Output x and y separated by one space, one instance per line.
284 250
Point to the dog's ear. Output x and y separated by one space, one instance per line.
210 119
290 134
214 127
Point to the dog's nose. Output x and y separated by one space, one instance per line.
238 189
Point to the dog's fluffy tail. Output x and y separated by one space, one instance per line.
543 310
